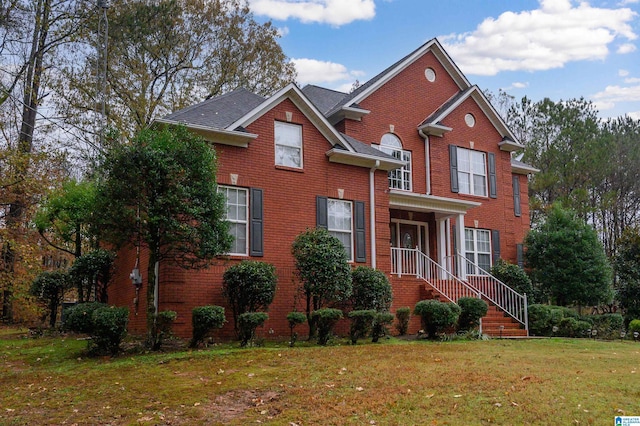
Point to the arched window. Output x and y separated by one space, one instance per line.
398 178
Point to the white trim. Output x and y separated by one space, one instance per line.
340 156
246 221
285 125
215 135
342 231
427 153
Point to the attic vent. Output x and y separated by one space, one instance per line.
430 75
470 120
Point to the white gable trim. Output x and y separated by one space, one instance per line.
292 92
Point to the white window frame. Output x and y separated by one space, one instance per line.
469 171
333 223
282 144
473 249
399 178
237 222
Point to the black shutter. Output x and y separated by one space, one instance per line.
493 183
495 245
453 166
359 219
322 213
520 254
257 234
516 196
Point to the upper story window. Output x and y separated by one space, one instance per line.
339 215
472 172
477 248
288 144
236 202
398 178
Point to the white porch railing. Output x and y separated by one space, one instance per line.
414 262
500 294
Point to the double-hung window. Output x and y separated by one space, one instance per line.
477 248
472 172
398 178
236 202
288 144
339 215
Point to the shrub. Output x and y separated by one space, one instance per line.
295 318
513 276
109 328
471 310
634 325
79 318
164 322
248 322
49 288
361 323
381 325
326 320
371 289
608 325
542 318
204 320
436 316
249 286
403 315
572 327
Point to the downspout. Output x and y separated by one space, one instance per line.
427 159
372 212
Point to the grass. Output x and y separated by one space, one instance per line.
545 381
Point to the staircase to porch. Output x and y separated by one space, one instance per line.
507 314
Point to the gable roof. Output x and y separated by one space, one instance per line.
324 99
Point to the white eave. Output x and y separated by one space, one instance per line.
431 129
351 113
522 168
215 135
509 145
341 156
429 203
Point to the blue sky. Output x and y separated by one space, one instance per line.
560 49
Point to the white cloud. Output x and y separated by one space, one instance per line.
313 71
623 73
607 98
540 39
626 48
333 12
283 31
519 85
632 80
635 115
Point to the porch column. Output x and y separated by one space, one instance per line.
442 244
462 273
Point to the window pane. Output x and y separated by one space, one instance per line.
288 142
340 222
236 207
484 262
479 185
287 156
477 159
463 160
464 183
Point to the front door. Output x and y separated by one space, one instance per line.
408 236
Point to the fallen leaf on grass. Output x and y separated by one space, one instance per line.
515 404
525 378
359 389
497 404
430 395
457 396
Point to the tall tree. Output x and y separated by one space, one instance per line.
160 190
164 55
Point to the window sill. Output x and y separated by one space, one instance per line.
290 169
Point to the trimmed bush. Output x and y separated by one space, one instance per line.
295 318
164 323
205 319
436 316
634 325
361 323
371 289
403 315
249 286
381 325
608 325
471 310
515 277
571 327
326 319
248 322
542 319
109 328
79 318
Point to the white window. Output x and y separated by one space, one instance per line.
237 213
339 223
398 178
472 172
288 144
477 249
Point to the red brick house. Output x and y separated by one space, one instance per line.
412 171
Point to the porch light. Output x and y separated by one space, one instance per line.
622 334
588 332
555 329
594 333
635 335
501 330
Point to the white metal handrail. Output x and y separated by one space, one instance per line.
500 294
414 262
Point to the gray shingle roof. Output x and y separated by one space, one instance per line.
218 112
323 99
363 148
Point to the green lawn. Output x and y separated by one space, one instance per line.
543 381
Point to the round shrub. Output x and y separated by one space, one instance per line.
634 325
326 319
403 315
109 328
204 320
79 318
361 323
436 316
539 320
249 286
371 289
571 327
248 322
381 325
471 310
513 276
